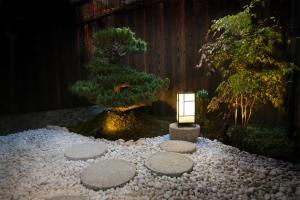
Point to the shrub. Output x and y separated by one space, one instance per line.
261 139
247 51
113 84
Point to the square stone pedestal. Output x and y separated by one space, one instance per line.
189 134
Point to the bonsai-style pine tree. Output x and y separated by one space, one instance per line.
113 84
247 51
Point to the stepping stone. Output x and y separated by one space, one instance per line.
86 151
178 146
107 174
70 197
169 163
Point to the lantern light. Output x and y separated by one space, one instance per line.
185 108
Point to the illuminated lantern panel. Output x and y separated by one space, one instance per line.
185 108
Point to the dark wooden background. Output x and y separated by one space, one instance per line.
174 31
43 52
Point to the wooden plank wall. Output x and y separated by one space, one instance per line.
40 57
174 31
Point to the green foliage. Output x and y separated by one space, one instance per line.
202 94
113 84
112 44
201 104
262 139
209 127
247 53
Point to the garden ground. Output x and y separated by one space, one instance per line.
33 166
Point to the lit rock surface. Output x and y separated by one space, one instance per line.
70 197
33 166
107 174
169 163
178 146
86 151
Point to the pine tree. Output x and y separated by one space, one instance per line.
113 84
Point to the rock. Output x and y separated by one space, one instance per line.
70 197
169 163
129 143
120 141
273 172
250 190
267 196
298 191
262 176
158 185
140 141
214 189
279 195
282 189
166 195
57 128
86 151
107 174
178 146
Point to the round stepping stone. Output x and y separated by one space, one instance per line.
86 151
107 174
178 146
169 163
69 197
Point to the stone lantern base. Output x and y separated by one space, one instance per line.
189 134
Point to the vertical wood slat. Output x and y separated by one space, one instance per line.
181 44
161 35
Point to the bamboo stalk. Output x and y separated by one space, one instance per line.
242 110
251 109
236 112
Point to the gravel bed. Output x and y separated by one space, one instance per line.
33 166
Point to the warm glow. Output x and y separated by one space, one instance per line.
115 123
123 109
186 107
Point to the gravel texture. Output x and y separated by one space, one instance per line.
33 166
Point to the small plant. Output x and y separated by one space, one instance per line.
202 94
201 105
247 52
211 126
112 84
261 139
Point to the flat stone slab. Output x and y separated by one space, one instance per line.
107 174
169 163
178 146
86 151
70 197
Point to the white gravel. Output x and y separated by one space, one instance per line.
33 166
